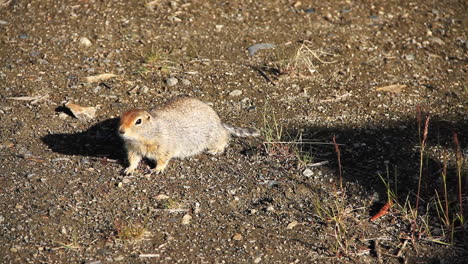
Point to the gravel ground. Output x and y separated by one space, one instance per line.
356 70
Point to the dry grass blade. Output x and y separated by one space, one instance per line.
99 77
396 88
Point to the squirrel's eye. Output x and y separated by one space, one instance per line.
138 121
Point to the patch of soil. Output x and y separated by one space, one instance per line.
63 197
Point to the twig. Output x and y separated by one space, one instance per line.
317 164
176 210
400 252
264 75
149 255
377 251
337 98
25 98
300 142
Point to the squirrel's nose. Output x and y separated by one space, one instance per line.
121 131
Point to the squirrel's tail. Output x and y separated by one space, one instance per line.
241 131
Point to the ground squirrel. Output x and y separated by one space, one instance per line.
181 128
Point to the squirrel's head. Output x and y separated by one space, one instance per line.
133 122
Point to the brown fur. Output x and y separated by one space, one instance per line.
179 129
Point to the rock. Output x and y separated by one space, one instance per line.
119 258
81 112
308 172
62 115
237 237
161 197
292 224
235 93
257 259
196 210
409 57
144 89
171 81
97 89
254 48
126 180
85 42
185 82
437 41
246 103
186 219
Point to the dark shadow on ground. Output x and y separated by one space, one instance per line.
393 152
100 140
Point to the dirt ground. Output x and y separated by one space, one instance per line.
63 198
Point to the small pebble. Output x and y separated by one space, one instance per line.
161 197
292 224
185 82
307 172
237 237
125 180
409 57
85 42
172 81
235 93
119 258
186 219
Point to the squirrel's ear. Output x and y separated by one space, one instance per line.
148 117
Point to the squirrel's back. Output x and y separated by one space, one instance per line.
182 127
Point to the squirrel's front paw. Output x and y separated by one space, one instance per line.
128 171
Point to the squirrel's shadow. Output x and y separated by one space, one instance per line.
100 140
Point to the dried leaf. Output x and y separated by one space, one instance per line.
383 211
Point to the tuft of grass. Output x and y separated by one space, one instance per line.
156 60
129 231
169 203
436 217
73 245
280 144
296 60
337 216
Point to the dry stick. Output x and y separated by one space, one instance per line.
338 153
400 252
377 251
